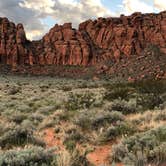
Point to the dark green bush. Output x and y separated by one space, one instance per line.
161 116
150 86
123 107
149 101
14 90
118 92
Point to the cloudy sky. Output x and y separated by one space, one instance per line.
38 16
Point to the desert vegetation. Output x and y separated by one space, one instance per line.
66 122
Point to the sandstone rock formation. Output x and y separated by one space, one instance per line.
96 41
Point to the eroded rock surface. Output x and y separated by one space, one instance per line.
98 41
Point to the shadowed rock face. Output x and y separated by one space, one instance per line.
94 42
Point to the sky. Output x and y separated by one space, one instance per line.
38 16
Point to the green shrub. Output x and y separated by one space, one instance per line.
80 101
95 120
70 145
161 116
123 106
149 143
34 156
67 88
118 92
46 110
74 158
158 154
18 136
103 118
18 117
14 90
73 136
120 129
150 86
83 120
78 159
149 101
36 118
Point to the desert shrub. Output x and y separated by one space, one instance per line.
73 134
150 86
70 145
44 88
17 117
118 92
2 107
72 137
78 159
36 118
110 134
4 127
66 115
104 118
46 110
149 101
47 123
95 120
120 129
158 154
23 108
161 116
66 88
126 128
154 50
149 143
80 101
124 106
149 94
27 124
83 120
34 156
72 159
18 136
14 90
119 152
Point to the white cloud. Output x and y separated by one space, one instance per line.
160 4
17 14
62 11
68 10
32 12
39 6
131 6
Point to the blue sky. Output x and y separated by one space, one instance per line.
38 16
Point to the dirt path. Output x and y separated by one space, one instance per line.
98 157
51 140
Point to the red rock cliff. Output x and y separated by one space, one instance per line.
95 41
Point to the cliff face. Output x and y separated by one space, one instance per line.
13 44
104 39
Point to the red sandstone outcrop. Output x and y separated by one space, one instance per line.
104 39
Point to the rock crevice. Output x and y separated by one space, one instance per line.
104 39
